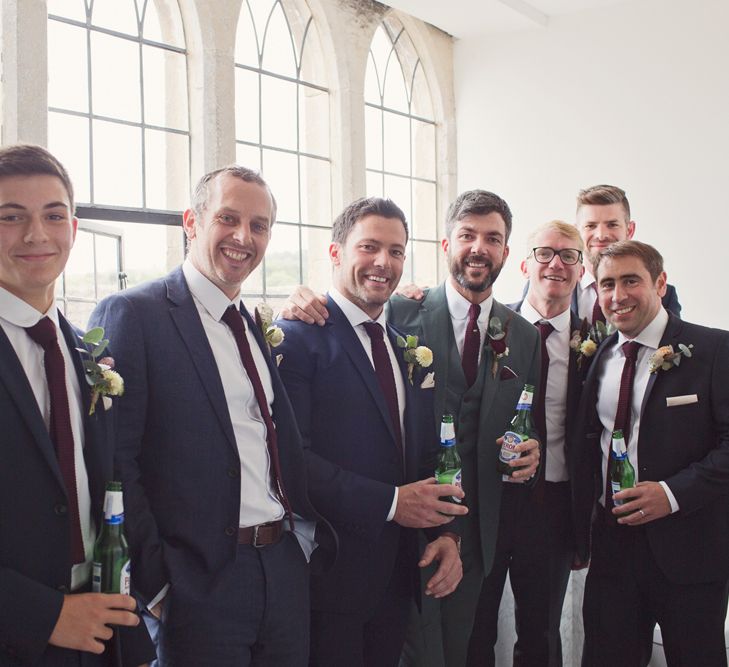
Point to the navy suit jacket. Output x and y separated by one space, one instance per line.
35 565
352 457
687 446
176 451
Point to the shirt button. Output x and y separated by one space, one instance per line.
233 472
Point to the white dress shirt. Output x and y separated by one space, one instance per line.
608 391
357 318
555 397
458 307
16 316
586 296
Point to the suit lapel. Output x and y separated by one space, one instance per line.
187 320
670 337
490 384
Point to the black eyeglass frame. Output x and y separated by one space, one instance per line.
557 252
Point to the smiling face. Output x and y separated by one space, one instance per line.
601 226
476 251
628 295
552 282
229 237
37 230
368 264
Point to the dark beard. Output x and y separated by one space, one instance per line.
460 276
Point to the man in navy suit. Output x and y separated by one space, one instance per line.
368 431
663 555
218 515
52 477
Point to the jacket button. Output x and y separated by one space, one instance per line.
60 509
233 472
230 531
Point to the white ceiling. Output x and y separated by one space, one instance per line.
469 18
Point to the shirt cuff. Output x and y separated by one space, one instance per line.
671 497
393 507
158 598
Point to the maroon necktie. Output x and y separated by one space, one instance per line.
44 333
597 314
385 376
622 414
471 343
234 320
540 415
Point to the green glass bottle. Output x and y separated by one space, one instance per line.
620 470
448 466
521 427
111 570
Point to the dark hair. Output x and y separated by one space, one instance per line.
477 202
604 195
201 192
651 258
361 208
31 160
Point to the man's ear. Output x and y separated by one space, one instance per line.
661 284
335 253
631 228
188 223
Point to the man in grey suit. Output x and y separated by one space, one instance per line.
480 387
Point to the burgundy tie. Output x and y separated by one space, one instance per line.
385 376
540 415
234 320
622 414
597 314
44 333
471 343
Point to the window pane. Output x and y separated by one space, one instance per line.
425 264
398 189
246 40
117 15
253 284
380 51
79 312
150 251
424 224
312 63
407 270
372 91
314 121
165 88
373 138
72 9
278 50
248 156
115 77
67 53
317 268
374 184
246 105
282 175
79 272
169 29
278 111
423 145
260 10
107 265
68 140
422 105
117 161
282 260
167 173
395 96
316 192
397 143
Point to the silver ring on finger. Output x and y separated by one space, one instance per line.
642 513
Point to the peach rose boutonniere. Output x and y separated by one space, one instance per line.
665 358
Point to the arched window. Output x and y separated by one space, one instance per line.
282 128
118 119
400 142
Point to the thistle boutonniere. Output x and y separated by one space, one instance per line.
496 340
100 375
665 358
272 334
585 340
414 354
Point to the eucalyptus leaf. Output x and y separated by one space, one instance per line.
412 341
99 349
495 323
401 341
93 336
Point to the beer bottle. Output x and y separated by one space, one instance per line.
521 427
111 568
620 470
448 466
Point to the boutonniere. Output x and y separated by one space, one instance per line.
585 340
100 375
414 354
272 334
665 358
496 340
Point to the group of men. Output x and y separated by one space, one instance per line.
275 475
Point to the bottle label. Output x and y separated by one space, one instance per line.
125 579
96 578
449 442
450 477
113 508
615 486
525 400
511 440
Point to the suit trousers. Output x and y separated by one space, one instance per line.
256 613
626 594
521 550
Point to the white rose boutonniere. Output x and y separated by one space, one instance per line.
100 375
272 333
414 354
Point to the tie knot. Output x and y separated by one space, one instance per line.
234 319
43 332
545 328
630 349
473 312
374 330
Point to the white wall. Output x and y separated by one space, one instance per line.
636 95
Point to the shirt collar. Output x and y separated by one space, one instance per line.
559 322
20 313
209 295
587 279
653 332
354 314
458 305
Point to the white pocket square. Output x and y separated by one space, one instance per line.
106 401
672 401
428 381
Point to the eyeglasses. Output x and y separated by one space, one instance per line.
544 255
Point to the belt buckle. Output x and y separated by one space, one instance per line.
255 537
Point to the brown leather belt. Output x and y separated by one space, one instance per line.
261 535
